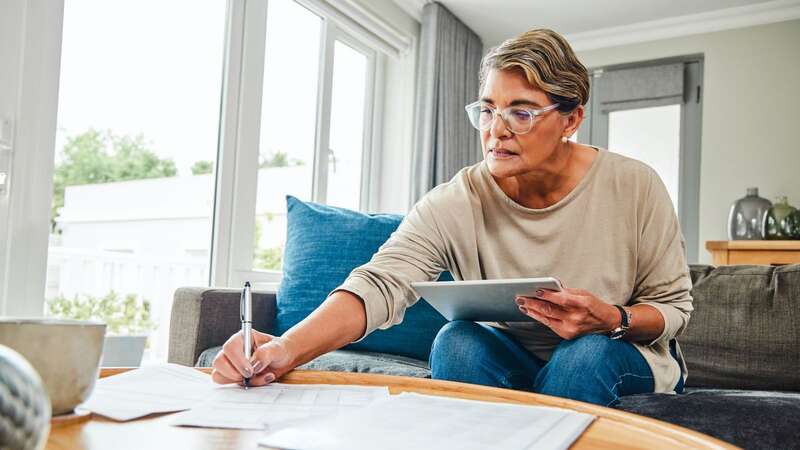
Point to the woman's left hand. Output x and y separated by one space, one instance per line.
570 313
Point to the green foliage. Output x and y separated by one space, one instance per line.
202 167
266 258
279 159
102 157
125 316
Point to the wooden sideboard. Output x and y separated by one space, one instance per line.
773 253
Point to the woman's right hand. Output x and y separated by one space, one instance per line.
271 359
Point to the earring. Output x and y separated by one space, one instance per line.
564 139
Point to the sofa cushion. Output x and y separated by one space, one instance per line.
744 332
748 419
351 361
323 245
369 362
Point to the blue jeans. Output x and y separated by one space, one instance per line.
591 368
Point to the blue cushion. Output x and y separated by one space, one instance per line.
323 245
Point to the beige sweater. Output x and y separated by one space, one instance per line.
615 235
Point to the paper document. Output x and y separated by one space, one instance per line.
147 390
267 406
414 421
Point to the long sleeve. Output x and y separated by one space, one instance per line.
662 278
415 252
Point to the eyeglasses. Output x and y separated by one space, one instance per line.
518 119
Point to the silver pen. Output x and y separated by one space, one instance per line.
246 313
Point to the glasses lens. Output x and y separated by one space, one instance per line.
519 120
475 116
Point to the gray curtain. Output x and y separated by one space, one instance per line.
447 80
639 87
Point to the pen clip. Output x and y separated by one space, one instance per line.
246 304
241 306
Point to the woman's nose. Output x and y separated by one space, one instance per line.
499 127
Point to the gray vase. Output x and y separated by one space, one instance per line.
746 219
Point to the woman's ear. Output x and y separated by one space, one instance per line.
574 120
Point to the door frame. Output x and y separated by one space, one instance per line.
596 133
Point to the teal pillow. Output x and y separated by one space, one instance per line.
323 245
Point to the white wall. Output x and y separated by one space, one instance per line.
751 113
394 178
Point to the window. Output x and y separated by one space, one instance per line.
315 125
288 123
345 155
136 144
176 141
651 135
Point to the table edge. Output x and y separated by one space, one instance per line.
411 384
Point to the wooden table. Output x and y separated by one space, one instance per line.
774 253
613 429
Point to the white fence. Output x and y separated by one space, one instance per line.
73 272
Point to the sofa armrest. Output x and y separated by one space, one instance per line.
206 317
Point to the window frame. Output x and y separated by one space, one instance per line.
237 176
373 87
25 208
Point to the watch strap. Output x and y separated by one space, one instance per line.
624 325
625 322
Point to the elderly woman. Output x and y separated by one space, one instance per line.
538 204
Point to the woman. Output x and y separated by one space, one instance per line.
537 205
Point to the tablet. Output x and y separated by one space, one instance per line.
482 300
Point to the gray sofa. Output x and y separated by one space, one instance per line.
742 348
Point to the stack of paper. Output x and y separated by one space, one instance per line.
150 389
409 421
262 407
321 417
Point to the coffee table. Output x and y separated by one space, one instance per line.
613 429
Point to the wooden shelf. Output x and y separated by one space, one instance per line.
754 252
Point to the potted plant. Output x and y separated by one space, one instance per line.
127 321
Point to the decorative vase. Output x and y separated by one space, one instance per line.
792 225
775 223
745 220
24 406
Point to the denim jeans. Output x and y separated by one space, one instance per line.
592 368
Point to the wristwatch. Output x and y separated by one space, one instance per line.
624 324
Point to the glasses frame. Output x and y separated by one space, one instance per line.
504 115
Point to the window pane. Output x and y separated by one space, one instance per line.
651 135
347 127
288 123
138 115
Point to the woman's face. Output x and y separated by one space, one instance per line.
509 154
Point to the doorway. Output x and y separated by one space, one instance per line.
651 111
